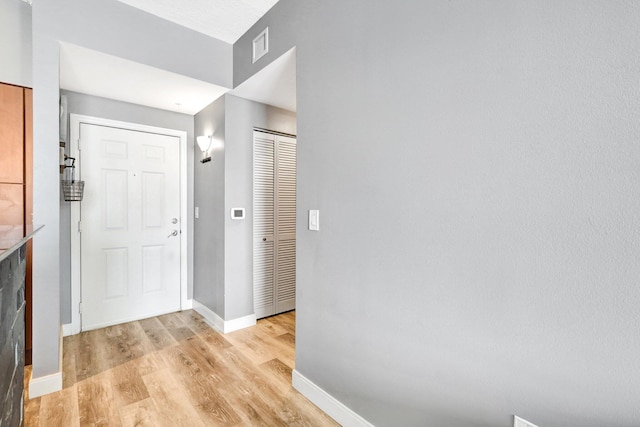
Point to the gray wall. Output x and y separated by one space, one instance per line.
225 283
115 28
15 42
477 167
87 105
209 256
111 27
287 23
46 206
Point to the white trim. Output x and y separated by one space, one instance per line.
123 320
185 220
329 404
188 305
75 121
212 319
221 325
67 329
60 349
45 385
521 422
239 323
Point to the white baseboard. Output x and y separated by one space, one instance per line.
329 404
67 329
45 385
221 325
239 323
215 321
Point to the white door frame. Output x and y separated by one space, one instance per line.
75 121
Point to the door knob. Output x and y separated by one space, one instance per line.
173 233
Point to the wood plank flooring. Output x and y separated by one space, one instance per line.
174 370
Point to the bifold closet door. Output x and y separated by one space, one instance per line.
274 223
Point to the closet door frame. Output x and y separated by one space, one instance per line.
273 253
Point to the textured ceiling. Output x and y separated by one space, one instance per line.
225 20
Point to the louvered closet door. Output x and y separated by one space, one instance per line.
274 223
263 224
285 298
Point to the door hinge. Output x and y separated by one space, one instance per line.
79 226
79 146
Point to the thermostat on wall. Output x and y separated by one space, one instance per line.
237 213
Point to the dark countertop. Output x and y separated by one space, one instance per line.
11 238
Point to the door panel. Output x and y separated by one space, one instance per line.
263 275
114 199
263 226
153 189
130 259
286 188
116 272
11 134
285 299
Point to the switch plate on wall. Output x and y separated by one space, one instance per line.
197 212
314 220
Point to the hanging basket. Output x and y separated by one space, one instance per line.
72 190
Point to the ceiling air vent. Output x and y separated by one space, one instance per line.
261 45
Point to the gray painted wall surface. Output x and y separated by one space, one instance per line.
78 103
286 22
477 167
46 205
115 28
111 27
224 283
209 254
15 42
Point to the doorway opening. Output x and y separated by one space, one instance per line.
151 253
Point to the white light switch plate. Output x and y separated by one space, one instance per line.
197 212
314 220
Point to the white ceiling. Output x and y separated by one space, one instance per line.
225 20
95 73
275 84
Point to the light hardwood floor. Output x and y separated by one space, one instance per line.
174 370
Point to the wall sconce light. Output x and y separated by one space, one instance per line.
204 142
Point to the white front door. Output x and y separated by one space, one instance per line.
130 225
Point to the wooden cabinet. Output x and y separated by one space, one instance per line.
11 211
11 134
16 175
